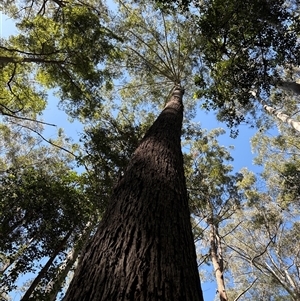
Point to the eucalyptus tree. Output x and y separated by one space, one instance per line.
265 249
143 248
59 45
215 199
43 208
248 44
249 48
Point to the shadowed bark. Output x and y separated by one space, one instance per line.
143 249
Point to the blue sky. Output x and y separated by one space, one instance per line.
242 154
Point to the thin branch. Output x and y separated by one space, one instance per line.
263 252
239 252
46 140
155 52
12 77
11 91
125 86
153 65
7 59
25 118
162 47
246 290
178 54
167 43
28 53
201 262
295 113
232 229
147 45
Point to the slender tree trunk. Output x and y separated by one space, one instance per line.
281 116
217 260
8 264
54 287
44 270
143 249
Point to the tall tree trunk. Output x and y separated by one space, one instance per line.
55 285
143 249
278 114
217 260
283 117
46 267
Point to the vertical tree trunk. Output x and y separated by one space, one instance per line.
278 114
55 285
143 249
44 270
217 260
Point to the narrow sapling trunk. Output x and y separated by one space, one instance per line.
217 260
278 114
46 267
55 285
143 249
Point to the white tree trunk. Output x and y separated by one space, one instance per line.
283 117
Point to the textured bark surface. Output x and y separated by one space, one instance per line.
143 249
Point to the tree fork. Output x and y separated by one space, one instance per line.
144 249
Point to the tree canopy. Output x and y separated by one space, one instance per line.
113 67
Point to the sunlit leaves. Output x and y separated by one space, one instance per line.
159 50
64 47
245 42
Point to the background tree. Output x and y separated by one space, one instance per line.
247 46
60 45
215 198
270 219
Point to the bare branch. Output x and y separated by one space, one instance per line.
23 118
153 65
46 140
167 44
245 291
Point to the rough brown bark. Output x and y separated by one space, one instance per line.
143 249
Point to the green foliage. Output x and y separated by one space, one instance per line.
42 200
17 97
265 245
108 146
220 51
244 43
64 47
214 192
